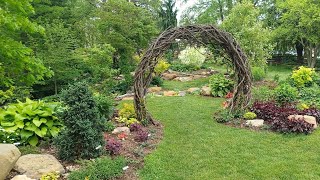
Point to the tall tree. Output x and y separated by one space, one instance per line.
168 14
18 65
127 28
300 26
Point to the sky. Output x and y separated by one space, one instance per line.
182 6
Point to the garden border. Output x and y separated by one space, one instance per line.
193 34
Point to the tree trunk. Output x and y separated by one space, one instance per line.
311 54
221 10
299 49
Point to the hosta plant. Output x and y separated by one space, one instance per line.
32 120
220 85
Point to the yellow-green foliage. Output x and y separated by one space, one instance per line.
5 95
303 76
127 111
50 176
161 67
249 115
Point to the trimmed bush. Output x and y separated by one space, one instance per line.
84 126
249 115
304 77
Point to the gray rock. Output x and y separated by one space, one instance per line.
255 122
205 91
9 154
35 165
193 90
119 130
182 93
308 119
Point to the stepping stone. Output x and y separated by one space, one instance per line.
255 122
205 91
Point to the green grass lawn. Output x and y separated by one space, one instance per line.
196 147
282 70
177 85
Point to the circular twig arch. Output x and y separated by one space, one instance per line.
194 34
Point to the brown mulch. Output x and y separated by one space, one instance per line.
132 150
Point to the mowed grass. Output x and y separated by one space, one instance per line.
283 71
180 86
196 147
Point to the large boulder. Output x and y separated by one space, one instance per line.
169 93
169 76
9 154
308 119
35 165
205 91
21 177
154 89
119 130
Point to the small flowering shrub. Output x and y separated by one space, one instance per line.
291 126
249 115
50 176
135 127
113 146
122 136
127 111
303 77
192 56
220 85
277 116
141 136
161 67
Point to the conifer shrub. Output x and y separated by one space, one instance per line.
83 136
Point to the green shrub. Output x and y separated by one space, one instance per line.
262 93
220 85
258 73
192 56
249 115
104 105
285 93
161 67
224 116
109 126
32 120
303 77
29 150
127 111
101 169
310 95
50 176
83 134
157 81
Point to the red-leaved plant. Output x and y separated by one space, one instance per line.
113 146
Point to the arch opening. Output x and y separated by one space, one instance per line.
193 34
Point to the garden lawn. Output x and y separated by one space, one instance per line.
196 147
177 85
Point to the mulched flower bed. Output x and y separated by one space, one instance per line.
132 150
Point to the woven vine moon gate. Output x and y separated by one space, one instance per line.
194 34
